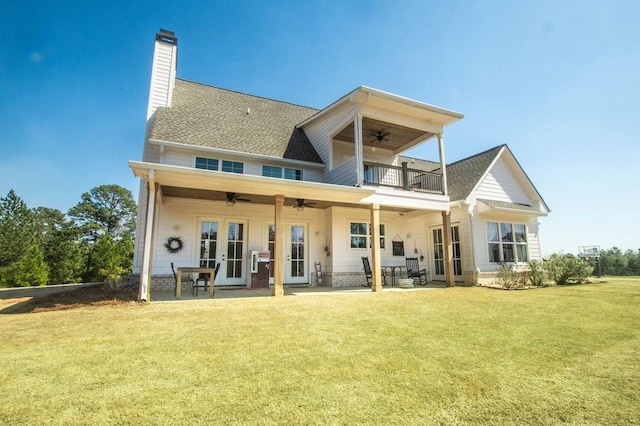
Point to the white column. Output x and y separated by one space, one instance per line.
145 270
443 162
278 255
357 125
376 264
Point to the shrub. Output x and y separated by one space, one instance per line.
566 269
510 277
536 273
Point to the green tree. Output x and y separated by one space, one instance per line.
106 209
61 244
17 229
613 262
107 218
29 270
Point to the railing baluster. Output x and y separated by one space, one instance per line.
402 178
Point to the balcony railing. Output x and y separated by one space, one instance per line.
402 178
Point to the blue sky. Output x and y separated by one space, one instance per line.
558 81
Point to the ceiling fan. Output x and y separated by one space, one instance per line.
380 136
232 197
300 204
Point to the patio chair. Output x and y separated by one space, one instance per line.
204 278
414 271
368 274
185 278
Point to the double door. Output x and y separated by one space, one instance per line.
226 241
296 252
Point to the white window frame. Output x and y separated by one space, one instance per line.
367 236
283 172
500 242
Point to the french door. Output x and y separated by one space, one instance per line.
296 268
225 242
438 253
296 254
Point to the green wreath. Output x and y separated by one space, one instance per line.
173 244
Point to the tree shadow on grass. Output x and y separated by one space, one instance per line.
92 295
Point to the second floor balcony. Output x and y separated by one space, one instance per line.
404 178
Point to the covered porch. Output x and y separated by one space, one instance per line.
178 196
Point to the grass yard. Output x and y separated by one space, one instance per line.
445 356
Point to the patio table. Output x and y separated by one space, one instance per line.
392 269
193 269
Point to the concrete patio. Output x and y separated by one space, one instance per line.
236 293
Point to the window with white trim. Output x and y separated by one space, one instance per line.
272 171
279 172
232 166
293 174
360 235
206 163
507 242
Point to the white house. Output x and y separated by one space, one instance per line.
228 173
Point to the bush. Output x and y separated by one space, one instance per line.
510 277
536 273
567 269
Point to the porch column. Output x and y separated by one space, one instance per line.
147 249
357 126
448 249
376 264
443 163
279 244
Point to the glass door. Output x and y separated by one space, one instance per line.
233 270
297 265
438 253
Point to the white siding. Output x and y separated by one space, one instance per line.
184 158
346 259
481 245
320 131
501 185
343 175
180 217
162 76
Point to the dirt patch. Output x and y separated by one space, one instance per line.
93 295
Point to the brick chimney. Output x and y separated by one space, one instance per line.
163 72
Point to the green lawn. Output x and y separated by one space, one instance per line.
444 356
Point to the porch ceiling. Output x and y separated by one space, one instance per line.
248 199
397 136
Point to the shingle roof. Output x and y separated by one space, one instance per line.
416 163
208 116
464 175
508 206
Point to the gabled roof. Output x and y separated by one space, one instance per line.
208 116
464 175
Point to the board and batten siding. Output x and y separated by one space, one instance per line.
501 185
